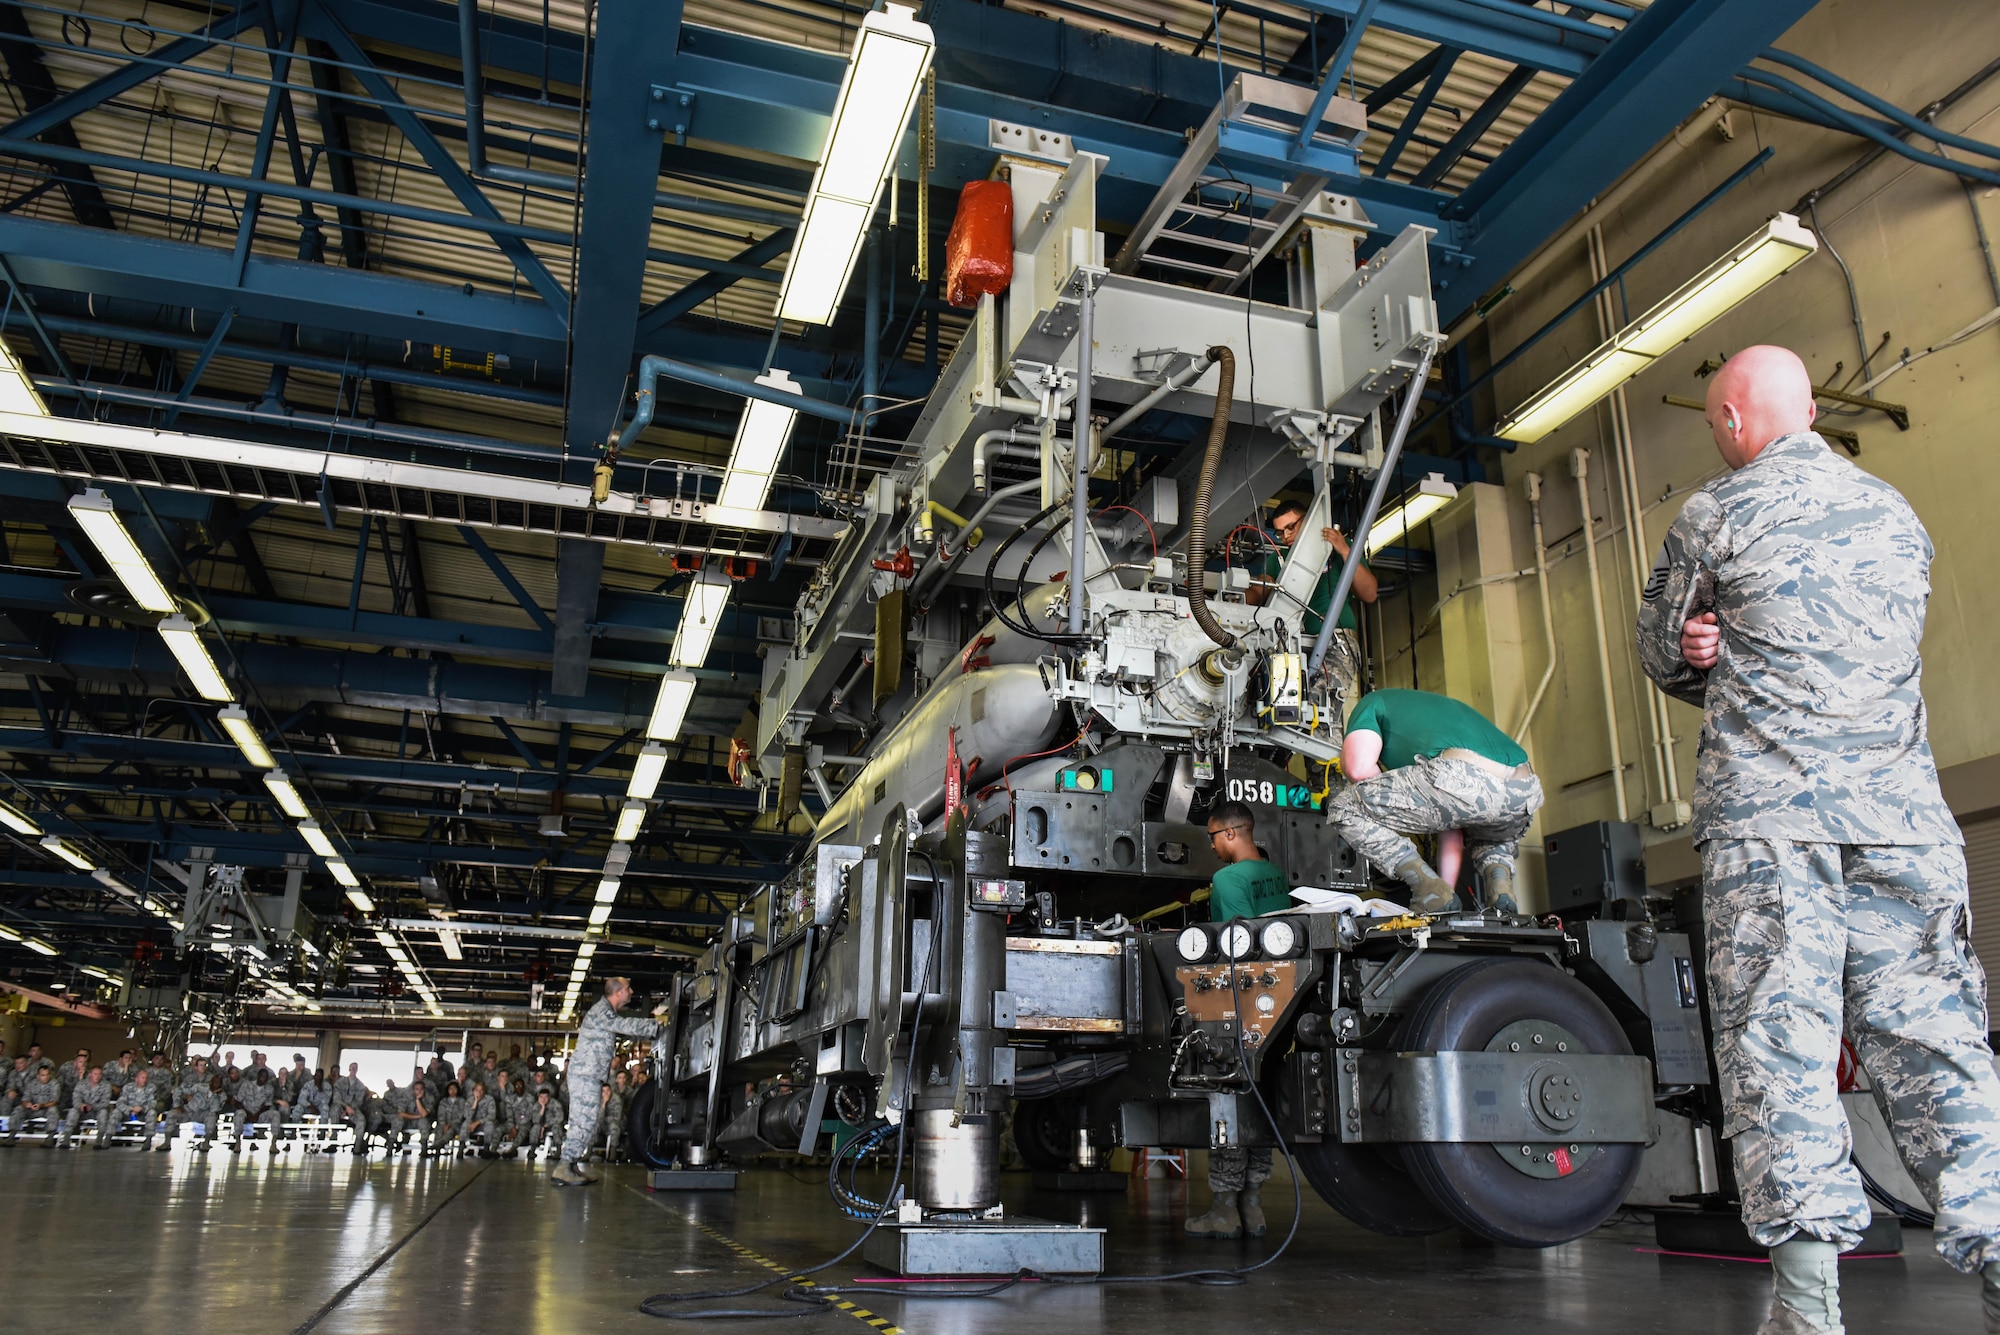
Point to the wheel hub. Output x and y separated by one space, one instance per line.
1553 1093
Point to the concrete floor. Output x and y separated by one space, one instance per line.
176 1243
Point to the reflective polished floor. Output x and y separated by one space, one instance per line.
220 1245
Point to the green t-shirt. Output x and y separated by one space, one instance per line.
1247 889
1272 564
1415 724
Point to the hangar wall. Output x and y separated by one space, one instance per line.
1908 235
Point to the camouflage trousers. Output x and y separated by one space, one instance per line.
1805 939
1430 796
1342 666
1234 1168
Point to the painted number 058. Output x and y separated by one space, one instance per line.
1253 790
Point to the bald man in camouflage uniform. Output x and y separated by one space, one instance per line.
1788 603
595 1039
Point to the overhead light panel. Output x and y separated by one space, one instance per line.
359 898
631 817
286 795
1432 495
18 823
185 642
585 951
879 89
39 946
1778 246
316 840
62 850
106 878
17 392
701 617
104 975
761 436
607 890
341 872
8 933
94 514
600 914
244 733
670 708
449 940
646 773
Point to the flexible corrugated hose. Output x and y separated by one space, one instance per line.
1197 538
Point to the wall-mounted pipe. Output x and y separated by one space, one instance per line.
995 444
1533 485
1187 376
1579 467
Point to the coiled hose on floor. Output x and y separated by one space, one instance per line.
1197 537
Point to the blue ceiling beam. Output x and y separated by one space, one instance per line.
1516 34
1666 62
130 74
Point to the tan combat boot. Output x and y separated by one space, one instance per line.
567 1175
1429 892
1221 1221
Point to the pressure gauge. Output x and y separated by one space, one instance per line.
1194 945
1237 940
1280 938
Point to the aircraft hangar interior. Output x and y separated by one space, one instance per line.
969 665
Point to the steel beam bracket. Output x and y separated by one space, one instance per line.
671 111
1496 1097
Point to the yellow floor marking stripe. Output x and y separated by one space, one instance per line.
861 1314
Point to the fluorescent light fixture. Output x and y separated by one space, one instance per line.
497 1022
670 708
288 800
761 436
62 850
607 890
39 946
17 392
316 840
430 1004
884 74
313 1006
449 940
585 951
96 972
600 914
401 956
8 933
1432 495
383 938
360 900
631 817
646 772
18 823
185 641
701 616
100 523
104 877
1774 248
341 872
244 733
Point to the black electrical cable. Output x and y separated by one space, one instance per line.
813 1302
1022 627
1903 1210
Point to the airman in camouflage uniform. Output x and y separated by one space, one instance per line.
256 1101
551 1117
520 1123
71 1074
136 1099
91 1098
13 1087
350 1105
194 1101
1788 603
41 1097
451 1113
615 1110
588 1065
480 1117
119 1073
403 1114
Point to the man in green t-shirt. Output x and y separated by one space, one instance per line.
1421 763
1246 885
1343 652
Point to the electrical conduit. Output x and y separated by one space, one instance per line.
1204 492
1579 467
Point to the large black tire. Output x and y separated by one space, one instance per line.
1371 1187
1045 1133
639 1129
1470 1182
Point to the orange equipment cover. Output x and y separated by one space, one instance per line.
979 253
